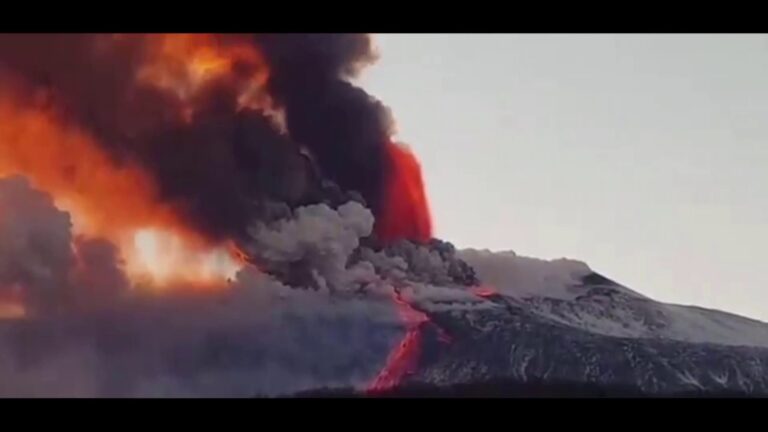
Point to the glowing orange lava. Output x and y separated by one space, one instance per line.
405 213
402 360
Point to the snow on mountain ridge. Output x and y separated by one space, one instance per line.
569 293
522 277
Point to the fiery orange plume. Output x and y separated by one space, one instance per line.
184 63
119 201
405 213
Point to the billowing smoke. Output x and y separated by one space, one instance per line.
135 95
125 154
522 276
328 308
98 277
345 128
90 333
259 338
203 117
93 335
35 245
41 264
348 131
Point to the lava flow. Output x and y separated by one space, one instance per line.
404 358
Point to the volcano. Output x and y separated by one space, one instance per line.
592 338
542 324
213 215
599 334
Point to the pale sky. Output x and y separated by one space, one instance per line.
645 156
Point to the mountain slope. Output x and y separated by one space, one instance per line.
570 293
561 321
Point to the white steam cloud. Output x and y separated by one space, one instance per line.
521 276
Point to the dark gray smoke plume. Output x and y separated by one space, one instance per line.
91 334
40 259
215 168
35 245
302 202
345 128
257 337
222 165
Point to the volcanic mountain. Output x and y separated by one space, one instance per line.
588 329
232 215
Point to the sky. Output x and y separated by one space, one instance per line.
643 155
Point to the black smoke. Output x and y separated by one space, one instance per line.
221 167
345 128
217 168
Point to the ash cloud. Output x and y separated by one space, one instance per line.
219 167
35 245
214 168
302 201
40 258
345 128
316 244
98 277
261 336
257 337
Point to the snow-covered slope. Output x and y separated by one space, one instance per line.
559 320
570 293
